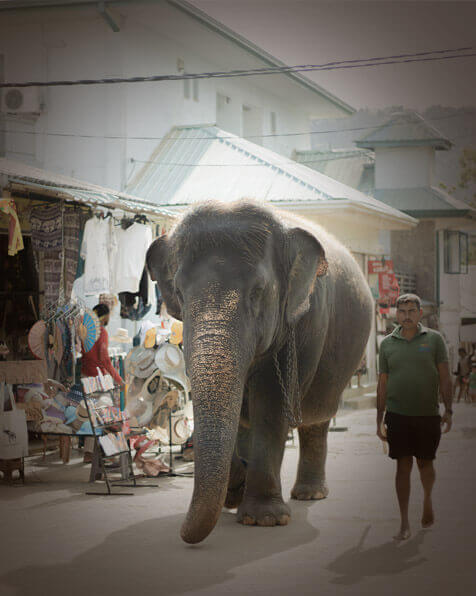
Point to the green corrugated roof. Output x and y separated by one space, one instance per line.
404 129
427 200
349 166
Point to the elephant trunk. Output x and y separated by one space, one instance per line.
215 366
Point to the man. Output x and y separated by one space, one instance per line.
413 367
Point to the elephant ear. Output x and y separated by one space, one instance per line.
160 270
307 261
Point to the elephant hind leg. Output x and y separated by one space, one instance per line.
311 477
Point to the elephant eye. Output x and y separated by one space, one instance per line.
256 293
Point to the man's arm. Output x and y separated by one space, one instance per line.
381 399
446 390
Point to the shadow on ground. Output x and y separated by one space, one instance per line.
392 558
151 556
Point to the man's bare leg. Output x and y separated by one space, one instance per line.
402 484
427 475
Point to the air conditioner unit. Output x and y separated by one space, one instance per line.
21 100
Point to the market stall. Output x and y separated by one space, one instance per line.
65 244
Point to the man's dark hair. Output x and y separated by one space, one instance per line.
101 310
404 298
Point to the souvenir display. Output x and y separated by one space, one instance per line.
89 329
36 340
58 342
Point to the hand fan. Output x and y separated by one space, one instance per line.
89 330
36 340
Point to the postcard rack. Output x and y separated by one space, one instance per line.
110 427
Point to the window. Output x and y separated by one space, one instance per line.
273 123
456 252
252 123
195 89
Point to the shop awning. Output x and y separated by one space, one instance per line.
22 176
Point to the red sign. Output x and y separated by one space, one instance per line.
388 288
380 265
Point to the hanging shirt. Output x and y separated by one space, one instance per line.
98 357
95 250
15 239
132 245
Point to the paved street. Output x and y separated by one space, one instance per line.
56 540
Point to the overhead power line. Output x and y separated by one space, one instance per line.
448 54
221 137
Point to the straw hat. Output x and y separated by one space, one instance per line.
121 336
171 363
150 337
82 412
176 329
140 362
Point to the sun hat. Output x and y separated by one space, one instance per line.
180 428
121 336
82 412
145 364
142 410
170 361
70 414
150 337
150 388
176 336
139 362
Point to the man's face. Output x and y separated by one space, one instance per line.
408 315
105 320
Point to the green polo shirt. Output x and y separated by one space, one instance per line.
412 368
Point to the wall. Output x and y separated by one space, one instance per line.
403 167
93 132
364 238
414 252
457 291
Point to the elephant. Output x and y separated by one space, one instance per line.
276 316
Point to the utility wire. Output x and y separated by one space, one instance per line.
334 65
266 163
215 137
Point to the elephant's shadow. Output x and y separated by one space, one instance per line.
150 555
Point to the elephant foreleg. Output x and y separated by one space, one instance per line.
263 503
311 477
239 463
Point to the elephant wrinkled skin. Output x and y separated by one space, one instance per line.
245 280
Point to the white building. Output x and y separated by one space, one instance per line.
93 132
166 142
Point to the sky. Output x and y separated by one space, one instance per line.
305 31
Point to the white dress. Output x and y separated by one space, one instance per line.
95 250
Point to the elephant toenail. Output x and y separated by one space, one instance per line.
267 520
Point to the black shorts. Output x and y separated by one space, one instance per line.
417 436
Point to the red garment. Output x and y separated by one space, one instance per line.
98 357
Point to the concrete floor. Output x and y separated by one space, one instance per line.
56 540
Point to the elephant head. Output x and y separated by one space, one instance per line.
237 278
